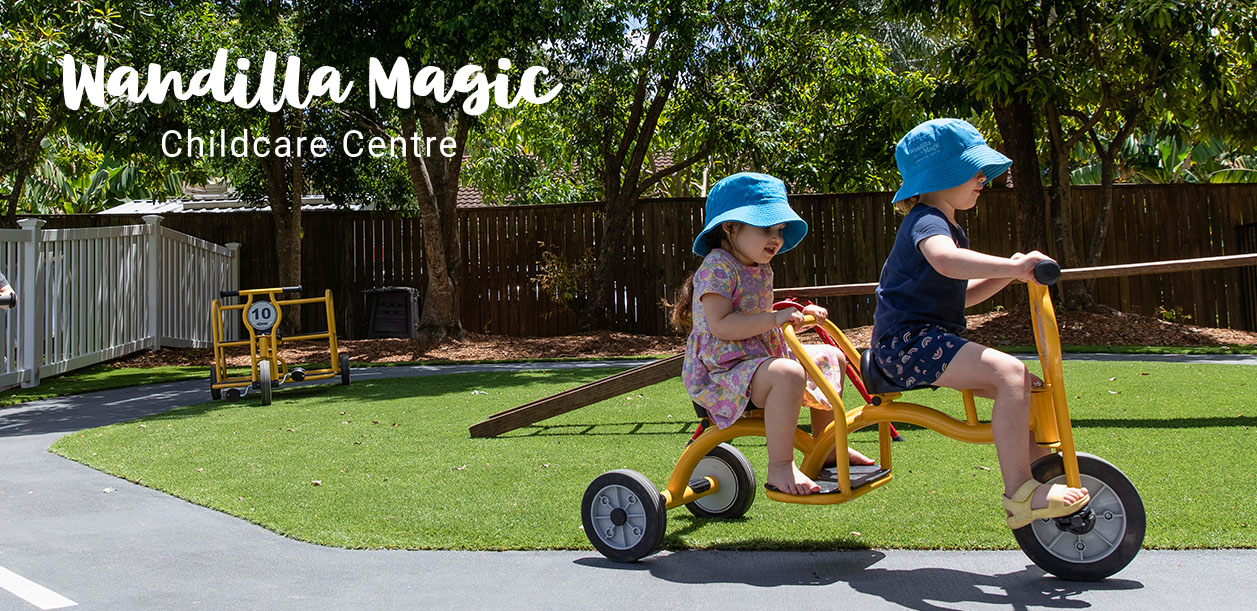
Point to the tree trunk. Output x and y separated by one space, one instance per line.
440 317
597 314
284 189
450 168
1073 294
15 194
1017 128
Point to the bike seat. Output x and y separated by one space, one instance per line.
875 380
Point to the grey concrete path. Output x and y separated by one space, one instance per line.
104 543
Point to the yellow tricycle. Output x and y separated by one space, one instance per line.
625 515
261 312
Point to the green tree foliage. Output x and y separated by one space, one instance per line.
447 35
662 98
76 178
34 36
1082 72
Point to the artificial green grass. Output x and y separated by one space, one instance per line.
106 377
1093 349
100 377
389 463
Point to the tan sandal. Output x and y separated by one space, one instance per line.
1023 514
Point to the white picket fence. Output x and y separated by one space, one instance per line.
89 295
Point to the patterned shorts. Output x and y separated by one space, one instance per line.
917 357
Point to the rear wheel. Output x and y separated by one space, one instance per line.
730 468
623 515
215 393
344 369
1096 542
264 375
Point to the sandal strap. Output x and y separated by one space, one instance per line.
1025 491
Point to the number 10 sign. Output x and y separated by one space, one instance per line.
262 315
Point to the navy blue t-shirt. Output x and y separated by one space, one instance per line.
911 293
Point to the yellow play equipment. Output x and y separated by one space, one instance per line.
261 312
625 515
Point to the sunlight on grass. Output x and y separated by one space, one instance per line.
389 463
101 377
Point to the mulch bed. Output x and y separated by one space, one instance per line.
1004 328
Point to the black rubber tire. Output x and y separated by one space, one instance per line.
642 516
264 384
730 467
344 369
215 393
1109 546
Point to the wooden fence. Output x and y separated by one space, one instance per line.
849 237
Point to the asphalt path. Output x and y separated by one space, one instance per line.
73 537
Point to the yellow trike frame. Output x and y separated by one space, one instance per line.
624 514
1049 419
266 366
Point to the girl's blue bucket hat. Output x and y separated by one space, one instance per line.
755 199
944 153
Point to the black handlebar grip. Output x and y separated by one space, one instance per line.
1047 272
292 289
226 294
8 301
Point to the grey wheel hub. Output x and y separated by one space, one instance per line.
1085 538
619 517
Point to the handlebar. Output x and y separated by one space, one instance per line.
1047 272
283 289
8 301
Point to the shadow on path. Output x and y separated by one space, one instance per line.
928 588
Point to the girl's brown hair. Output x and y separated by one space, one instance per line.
904 205
682 310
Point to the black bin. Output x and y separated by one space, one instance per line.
392 311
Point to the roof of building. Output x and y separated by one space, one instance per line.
224 203
215 199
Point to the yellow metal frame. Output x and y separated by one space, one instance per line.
1049 419
265 347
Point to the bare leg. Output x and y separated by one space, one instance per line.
995 374
821 419
778 386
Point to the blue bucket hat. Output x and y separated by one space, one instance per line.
756 199
944 153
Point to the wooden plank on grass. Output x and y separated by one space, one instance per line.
576 398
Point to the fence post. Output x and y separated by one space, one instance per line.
32 307
232 331
154 277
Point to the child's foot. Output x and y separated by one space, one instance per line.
1072 495
854 458
1047 501
789 480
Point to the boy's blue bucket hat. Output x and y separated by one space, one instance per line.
755 199
944 153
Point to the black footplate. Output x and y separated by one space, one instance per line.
860 475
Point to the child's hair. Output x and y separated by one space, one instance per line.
904 205
681 315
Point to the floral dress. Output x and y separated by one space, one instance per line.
718 372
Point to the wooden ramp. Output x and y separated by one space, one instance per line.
576 398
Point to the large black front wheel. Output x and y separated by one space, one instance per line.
623 515
1096 542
